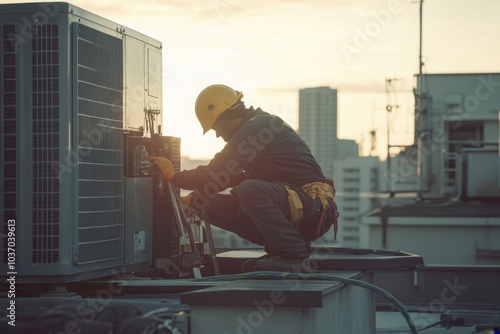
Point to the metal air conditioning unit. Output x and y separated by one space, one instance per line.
72 83
481 179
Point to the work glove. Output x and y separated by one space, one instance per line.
187 203
165 166
187 200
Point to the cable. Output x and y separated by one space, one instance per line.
281 275
434 324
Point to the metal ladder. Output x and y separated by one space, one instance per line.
450 177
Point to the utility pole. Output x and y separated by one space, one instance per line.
388 108
419 101
419 90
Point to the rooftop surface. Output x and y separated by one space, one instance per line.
439 299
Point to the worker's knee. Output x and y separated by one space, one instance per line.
247 190
252 193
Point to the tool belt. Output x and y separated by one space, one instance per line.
325 191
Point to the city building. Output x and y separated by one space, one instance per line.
455 217
318 124
347 149
356 184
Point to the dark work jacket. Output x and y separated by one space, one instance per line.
265 148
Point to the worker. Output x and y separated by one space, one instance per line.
279 199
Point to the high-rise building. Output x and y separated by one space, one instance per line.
357 180
318 124
347 149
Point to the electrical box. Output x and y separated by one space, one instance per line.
162 246
72 83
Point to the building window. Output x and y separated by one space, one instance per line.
351 170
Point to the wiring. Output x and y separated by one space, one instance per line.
443 321
319 276
164 321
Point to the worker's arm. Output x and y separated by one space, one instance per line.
226 168
202 175
219 174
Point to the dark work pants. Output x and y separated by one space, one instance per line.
258 211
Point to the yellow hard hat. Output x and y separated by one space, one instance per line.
212 102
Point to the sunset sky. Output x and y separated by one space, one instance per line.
270 49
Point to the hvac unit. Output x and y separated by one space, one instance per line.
480 176
72 83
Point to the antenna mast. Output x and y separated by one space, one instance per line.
420 63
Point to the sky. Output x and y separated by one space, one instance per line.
269 49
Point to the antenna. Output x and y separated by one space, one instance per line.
373 141
420 63
419 90
373 132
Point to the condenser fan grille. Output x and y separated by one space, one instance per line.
8 129
45 142
100 145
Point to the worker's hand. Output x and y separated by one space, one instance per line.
187 203
187 200
165 166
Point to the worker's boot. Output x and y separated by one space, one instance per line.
277 263
249 265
